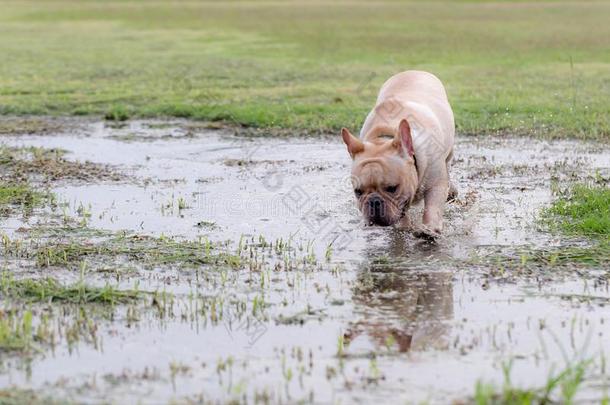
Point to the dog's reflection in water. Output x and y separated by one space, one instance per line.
402 303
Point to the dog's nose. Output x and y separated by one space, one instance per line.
377 211
376 206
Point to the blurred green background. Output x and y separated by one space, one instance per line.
535 68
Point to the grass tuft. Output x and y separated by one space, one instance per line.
583 211
23 195
117 113
563 385
16 396
50 290
15 332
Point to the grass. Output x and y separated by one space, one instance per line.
583 211
15 333
13 126
580 211
96 247
22 195
15 396
50 290
147 251
27 164
535 68
596 255
563 385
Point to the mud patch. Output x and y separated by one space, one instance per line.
22 165
13 126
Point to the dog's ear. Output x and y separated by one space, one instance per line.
354 145
403 140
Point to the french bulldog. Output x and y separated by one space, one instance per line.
404 152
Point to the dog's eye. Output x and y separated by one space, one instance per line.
358 192
391 189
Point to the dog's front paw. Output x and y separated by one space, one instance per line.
452 195
427 233
405 224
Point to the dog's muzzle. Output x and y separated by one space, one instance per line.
377 211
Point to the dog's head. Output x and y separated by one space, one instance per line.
384 176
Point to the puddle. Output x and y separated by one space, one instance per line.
382 316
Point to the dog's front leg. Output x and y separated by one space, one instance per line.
434 207
405 223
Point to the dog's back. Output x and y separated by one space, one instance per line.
417 95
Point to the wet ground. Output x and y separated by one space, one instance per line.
321 308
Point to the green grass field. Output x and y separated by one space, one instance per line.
509 67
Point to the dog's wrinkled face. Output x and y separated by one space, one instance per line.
383 175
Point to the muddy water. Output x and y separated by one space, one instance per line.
387 316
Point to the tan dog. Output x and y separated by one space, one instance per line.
404 151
